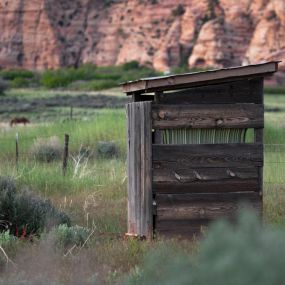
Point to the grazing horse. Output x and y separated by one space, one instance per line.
16 121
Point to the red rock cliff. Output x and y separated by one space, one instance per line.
39 34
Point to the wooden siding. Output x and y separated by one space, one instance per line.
208 116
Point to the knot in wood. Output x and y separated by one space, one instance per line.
161 114
202 212
219 122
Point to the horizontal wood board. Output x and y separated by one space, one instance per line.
207 155
208 116
188 214
241 91
203 180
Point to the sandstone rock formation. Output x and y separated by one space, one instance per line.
40 34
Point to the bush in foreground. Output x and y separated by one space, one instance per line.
107 149
25 213
68 236
243 255
47 150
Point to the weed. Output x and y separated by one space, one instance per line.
47 150
107 149
68 236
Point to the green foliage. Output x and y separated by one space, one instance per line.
3 86
19 82
68 236
107 149
6 239
47 150
274 90
16 73
96 78
245 254
131 65
100 84
27 213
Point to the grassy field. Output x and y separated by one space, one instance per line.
93 193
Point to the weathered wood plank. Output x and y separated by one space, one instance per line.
207 155
242 91
139 169
181 228
208 116
224 186
203 206
205 180
200 78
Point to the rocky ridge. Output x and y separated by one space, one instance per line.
40 34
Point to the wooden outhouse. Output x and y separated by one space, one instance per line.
195 148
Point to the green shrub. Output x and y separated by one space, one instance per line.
55 79
107 149
19 82
47 150
6 239
101 84
27 213
68 236
243 255
3 86
16 73
131 65
274 90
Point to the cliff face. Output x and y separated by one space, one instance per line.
39 34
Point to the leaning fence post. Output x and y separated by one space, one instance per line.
17 151
71 113
65 154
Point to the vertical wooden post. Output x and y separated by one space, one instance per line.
71 112
65 154
139 169
17 151
258 138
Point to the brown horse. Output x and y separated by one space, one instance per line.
16 121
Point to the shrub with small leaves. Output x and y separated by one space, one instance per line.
244 254
47 150
107 149
68 236
25 213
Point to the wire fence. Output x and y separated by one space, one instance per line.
20 150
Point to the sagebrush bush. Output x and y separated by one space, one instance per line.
3 86
107 149
47 149
16 73
245 254
19 82
68 236
26 213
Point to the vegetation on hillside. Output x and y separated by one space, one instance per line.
86 77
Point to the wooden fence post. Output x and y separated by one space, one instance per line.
65 154
17 151
140 170
71 112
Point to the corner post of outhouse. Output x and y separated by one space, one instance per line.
139 169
